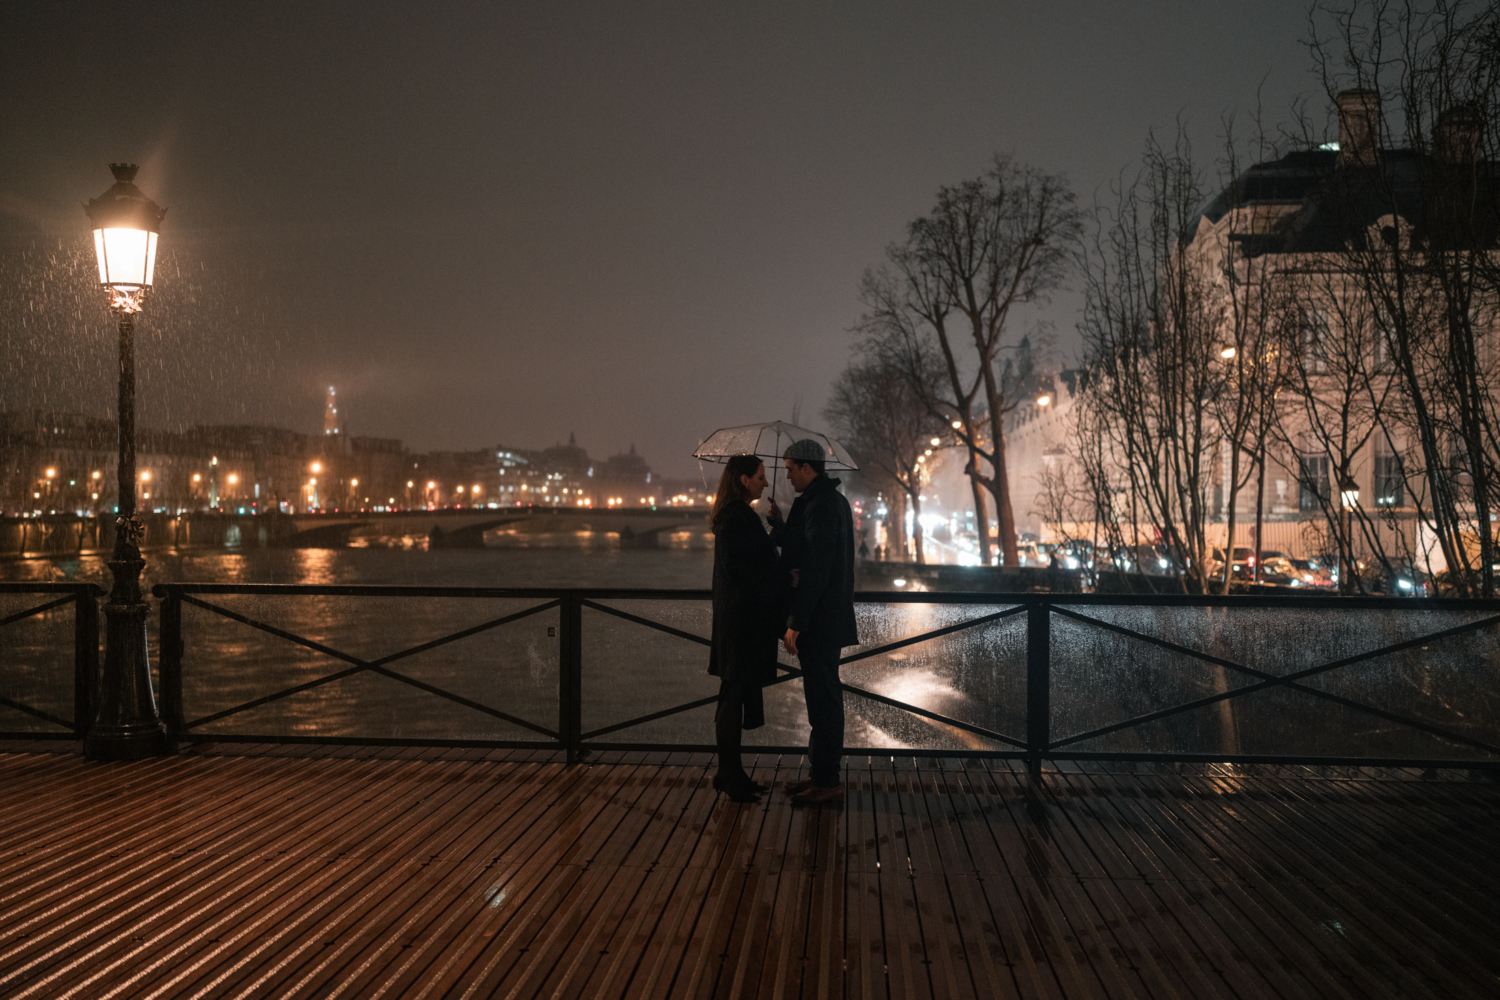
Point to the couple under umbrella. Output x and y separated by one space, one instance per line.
802 598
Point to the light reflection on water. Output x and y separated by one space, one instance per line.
976 675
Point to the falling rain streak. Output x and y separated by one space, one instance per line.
208 345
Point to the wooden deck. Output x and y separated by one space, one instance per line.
356 872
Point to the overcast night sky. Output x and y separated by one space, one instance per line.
503 222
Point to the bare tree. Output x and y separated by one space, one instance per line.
883 419
1422 252
951 290
1153 319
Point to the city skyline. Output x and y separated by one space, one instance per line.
654 221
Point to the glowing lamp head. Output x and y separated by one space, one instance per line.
233 479
126 224
317 466
1349 492
1044 400
958 425
51 473
1227 353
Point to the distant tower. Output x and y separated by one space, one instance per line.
331 414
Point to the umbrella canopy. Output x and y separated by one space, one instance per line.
770 441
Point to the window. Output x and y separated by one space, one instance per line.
1313 478
1390 478
1384 355
1314 338
1458 464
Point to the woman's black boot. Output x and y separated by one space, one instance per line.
736 791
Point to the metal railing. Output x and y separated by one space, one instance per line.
1400 682
83 597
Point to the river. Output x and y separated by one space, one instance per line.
977 675
629 670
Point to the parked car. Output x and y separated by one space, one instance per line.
1400 579
1153 560
1311 573
1032 554
1279 571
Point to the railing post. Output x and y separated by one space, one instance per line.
171 661
1038 685
570 675
85 659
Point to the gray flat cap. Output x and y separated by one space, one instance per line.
806 450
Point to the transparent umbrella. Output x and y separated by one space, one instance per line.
769 441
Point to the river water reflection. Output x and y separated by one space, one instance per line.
629 670
1100 675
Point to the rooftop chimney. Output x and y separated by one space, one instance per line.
1456 137
1359 127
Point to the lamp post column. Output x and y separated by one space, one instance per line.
127 726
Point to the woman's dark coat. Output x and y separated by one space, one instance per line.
746 605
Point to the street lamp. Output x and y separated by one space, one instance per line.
126 726
1348 500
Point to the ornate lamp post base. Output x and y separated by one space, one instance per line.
127 727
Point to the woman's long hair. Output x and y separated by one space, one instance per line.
730 488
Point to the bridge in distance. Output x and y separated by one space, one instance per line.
466 527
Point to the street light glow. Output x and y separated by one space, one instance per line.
958 425
1227 353
145 477
317 466
233 479
51 473
125 233
936 442
1043 400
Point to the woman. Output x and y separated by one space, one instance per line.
743 650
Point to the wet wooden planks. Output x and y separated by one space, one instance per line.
293 871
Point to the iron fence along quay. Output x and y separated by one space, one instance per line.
49 656
1262 679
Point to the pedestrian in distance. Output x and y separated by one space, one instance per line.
747 619
817 569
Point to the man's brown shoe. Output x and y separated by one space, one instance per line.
816 796
798 787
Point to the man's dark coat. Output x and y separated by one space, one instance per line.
817 560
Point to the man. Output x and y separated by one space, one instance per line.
817 557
